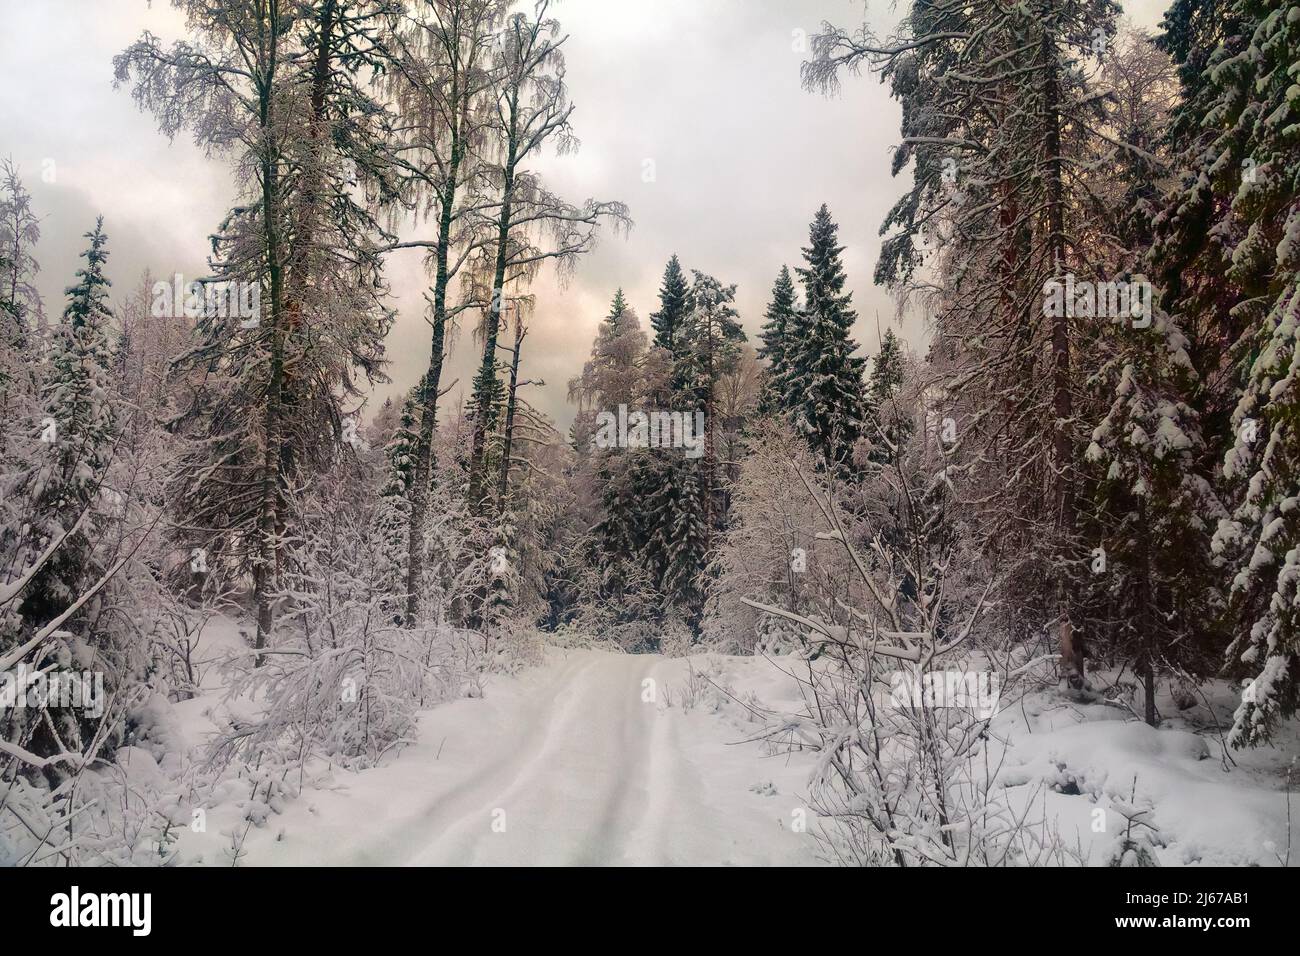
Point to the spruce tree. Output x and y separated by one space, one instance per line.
689 506
1247 191
77 434
888 426
887 370
1191 254
825 381
708 347
614 376
674 301
777 330
680 536
1154 508
485 408
502 593
617 307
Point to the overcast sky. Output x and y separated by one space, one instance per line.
705 90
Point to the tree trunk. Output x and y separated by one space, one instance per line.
1071 651
488 370
1146 621
503 486
428 403
267 561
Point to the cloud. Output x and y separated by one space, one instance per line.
708 90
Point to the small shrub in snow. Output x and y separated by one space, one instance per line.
904 779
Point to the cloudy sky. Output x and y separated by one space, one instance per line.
704 92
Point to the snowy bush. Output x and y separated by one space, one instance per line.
899 701
771 552
341 679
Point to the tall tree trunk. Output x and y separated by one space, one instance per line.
487 372
1146 622
265 576
428 404
297 264
503 486
460 97
1062 405
710 450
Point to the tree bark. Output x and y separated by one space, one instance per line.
487 372
1062 404
428 398
1146 619
266 563
503 487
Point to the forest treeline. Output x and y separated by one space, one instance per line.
1091 463
1101 231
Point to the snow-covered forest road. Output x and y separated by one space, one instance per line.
593 757
580 761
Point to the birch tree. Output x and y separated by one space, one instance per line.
441 85
529 224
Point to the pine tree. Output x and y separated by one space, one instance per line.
825 379
674 302
776 333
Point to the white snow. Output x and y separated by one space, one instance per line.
601 758
572 764
1208 815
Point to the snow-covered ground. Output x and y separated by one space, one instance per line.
604 758
1208 810
592 758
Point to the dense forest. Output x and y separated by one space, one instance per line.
1081 488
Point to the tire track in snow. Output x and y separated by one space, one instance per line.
586 772
407 843
546 796
614 839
